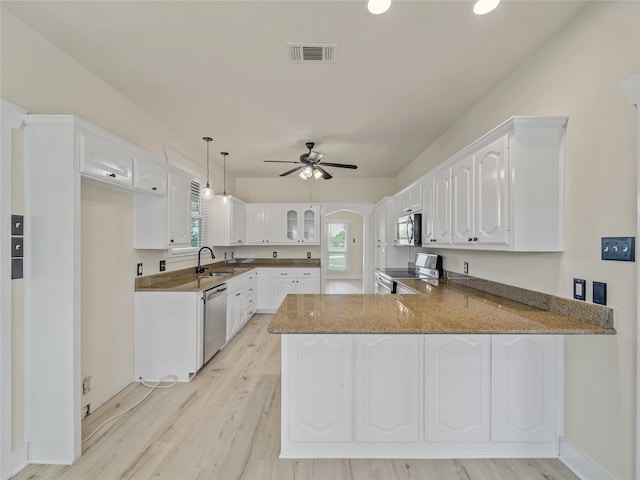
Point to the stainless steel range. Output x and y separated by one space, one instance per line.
428 268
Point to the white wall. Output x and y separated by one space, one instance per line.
39 77
293 189
577 73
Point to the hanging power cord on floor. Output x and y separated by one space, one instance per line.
174 380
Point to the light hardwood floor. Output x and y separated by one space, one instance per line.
342 286
225 424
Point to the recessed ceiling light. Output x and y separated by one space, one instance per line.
485 6
378 6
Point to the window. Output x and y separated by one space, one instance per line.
337 242
199 222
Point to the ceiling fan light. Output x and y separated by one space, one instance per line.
317 174
302 175
378 6
485 6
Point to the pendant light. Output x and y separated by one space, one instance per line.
225 197
207 192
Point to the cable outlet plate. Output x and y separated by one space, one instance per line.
600 293
622 249
466 268
579 289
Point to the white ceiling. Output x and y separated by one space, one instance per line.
220 69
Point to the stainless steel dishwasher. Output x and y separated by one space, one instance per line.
215 320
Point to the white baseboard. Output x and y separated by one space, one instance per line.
581 465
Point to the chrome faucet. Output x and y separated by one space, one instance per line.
200 269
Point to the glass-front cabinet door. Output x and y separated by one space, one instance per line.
310 225
301 224
292 220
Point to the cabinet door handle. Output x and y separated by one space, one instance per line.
475 239
112 175
171 241
154 188
238 294
470 239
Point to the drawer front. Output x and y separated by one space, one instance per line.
308 273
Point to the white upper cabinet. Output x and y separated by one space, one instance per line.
301 224
164 222
228 222
149 175
480 193
408 200
265 224
282 224
105 158
380 222
503 192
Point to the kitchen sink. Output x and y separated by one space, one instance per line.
215 274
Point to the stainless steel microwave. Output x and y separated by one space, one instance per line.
408 230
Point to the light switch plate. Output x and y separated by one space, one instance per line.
579 289
622 249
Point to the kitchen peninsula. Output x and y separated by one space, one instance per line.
451 372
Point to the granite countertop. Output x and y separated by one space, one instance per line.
186 280
449 308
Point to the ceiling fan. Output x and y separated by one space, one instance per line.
310 165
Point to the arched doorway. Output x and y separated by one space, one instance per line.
345 248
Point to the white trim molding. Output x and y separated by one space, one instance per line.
631 89
11 461
580 464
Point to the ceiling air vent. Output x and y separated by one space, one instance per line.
312 52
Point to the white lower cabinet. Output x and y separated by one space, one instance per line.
242 292
167 335
525 388
319 393
280 282
420 396
458 402
387 385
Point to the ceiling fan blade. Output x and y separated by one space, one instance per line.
292 170
339 165
278 161
326 175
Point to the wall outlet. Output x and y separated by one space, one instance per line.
225 255
275 254
600 293
308 254
163 265
86 385
579 288
621 249
139 270
231 254
466 268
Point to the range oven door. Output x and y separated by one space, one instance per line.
384 284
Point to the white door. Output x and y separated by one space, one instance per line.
179 232
428 236
255 224
320 388
462 194
442 207
524 388
492 190
274 224
458 388
387 379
